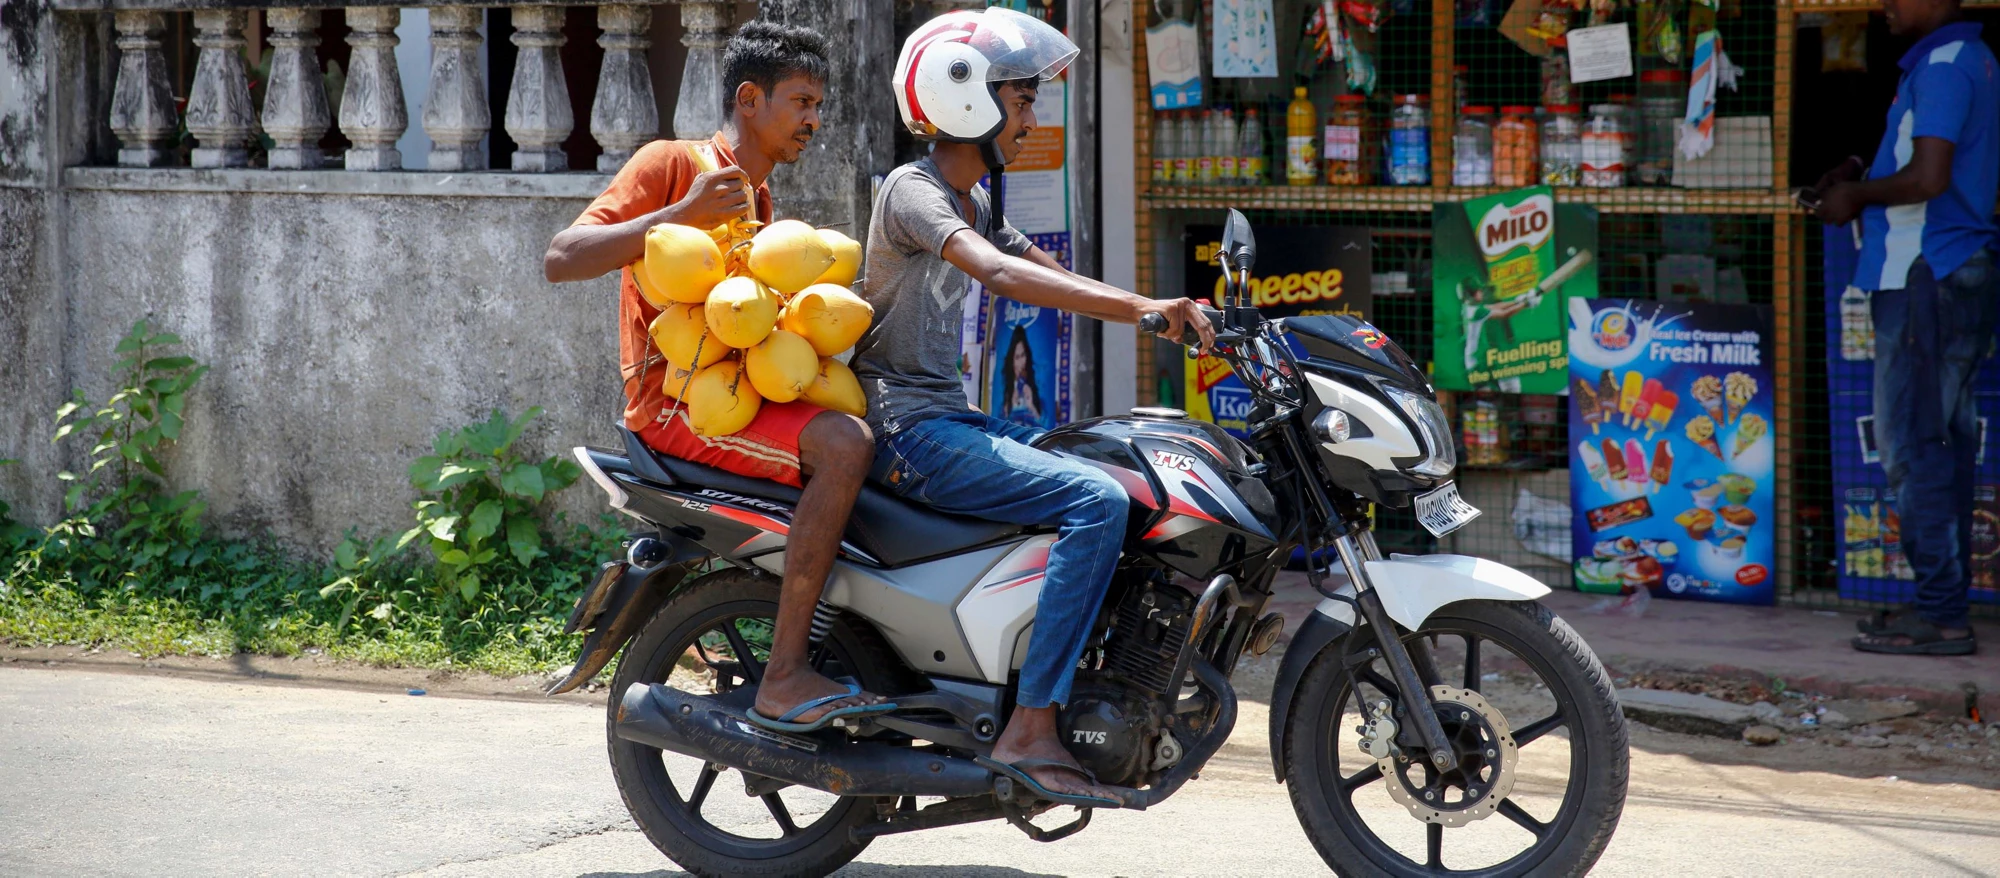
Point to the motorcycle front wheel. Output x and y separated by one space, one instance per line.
712 638
1537 779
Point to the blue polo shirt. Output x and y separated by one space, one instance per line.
1950 90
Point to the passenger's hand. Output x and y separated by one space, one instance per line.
1181 314
1839 204
716 197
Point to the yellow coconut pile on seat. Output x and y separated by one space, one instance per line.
752 313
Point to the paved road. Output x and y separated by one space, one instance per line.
120 774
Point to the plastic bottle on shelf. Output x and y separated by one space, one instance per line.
1603 142
1410 141
1163 148
1189 146
1301 154
1250 149
1346 131
1472 148
1224 147
1204 153
1516 148
1562 146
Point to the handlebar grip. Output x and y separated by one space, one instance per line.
1154 323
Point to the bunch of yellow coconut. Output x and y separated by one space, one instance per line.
749 314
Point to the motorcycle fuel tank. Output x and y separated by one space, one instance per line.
1196 507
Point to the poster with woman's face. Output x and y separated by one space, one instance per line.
1026 365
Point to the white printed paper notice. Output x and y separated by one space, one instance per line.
1603 52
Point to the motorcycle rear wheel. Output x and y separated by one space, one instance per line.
1324 793
698 622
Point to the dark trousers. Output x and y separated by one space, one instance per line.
1930 337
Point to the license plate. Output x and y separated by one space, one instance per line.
1441 511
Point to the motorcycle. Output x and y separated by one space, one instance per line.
1413 691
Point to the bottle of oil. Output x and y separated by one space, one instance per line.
1301 154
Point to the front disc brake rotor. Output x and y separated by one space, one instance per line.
1479 778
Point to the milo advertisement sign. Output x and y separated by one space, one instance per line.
1300 270
1501 267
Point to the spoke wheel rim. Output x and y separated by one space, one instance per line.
1342 787
712 641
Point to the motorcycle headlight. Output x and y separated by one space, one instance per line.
1442 456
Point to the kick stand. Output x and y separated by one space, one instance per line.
1003 790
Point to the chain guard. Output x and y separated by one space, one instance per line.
1468 713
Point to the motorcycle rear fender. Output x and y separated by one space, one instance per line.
627 601
1411 588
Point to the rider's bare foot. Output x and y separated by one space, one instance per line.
1031 734
781 690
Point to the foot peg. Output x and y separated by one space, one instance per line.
1018 811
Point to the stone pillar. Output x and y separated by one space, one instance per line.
623 115
142 101
371 107
455 115
295 111
698 111
538 113
219 113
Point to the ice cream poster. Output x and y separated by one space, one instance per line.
1504 264
1672 461
1301 270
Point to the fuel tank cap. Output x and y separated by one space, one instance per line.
1154 411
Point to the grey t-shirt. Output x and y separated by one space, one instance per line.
908 361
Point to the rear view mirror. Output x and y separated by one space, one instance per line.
1238 241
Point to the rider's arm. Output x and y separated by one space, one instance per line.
1044 283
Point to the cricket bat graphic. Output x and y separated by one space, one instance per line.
1560 276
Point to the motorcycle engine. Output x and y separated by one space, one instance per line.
1113 722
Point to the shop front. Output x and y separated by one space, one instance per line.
1583 220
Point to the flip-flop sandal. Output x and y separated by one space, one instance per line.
1878 620
787 722
1924 639
1018 772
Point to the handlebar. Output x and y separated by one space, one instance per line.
1156 323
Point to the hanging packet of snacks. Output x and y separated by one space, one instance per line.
1660 29
1367 13
1324 31
1360 63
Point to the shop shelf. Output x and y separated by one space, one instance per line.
1635 199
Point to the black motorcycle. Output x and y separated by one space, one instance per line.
1422 688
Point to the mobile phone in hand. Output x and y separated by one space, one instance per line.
1807 197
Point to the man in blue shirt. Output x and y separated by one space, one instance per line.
1927 238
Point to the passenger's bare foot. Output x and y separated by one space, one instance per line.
782 691
1031 734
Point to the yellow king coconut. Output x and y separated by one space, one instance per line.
789 255
781 366
836 388
830 316
719 401
680 331
677 379
681 264
741 311
846 258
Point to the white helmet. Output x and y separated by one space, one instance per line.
948 75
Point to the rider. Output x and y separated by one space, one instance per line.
777 78
968 81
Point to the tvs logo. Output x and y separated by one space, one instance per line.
1081 736
1171 460
1371 337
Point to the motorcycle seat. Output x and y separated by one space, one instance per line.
894 531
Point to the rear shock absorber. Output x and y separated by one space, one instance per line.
823 616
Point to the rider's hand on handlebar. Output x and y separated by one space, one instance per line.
1181 315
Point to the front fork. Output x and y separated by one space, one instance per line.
1355 548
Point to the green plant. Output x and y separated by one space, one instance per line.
485 499
13 534
119 519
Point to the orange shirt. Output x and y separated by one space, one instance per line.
659 174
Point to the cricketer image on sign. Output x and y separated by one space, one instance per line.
1503 265
1301 270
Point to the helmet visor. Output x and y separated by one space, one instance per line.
1018 46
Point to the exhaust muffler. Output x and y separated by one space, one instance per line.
705 728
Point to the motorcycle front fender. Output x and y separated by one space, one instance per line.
1411 588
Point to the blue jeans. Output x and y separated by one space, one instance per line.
981 466
1929 339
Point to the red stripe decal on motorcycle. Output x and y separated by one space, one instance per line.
761 522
